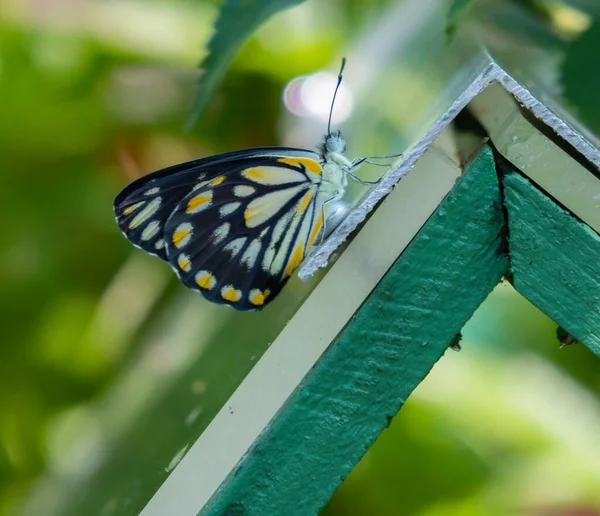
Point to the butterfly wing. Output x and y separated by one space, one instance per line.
233 227
143 207
238 238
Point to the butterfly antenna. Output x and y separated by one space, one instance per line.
334 95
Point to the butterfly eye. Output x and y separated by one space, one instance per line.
335 143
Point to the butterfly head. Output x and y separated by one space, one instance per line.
333 143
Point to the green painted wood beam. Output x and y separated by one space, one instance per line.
391 344
555 259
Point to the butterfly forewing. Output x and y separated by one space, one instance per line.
234 226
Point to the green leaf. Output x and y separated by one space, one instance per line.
581 78
237 20
457 12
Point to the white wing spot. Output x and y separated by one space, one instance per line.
199 202
280 227
205 279
230 293
276 236
146 213
267 175
243 190
268 259
256 297
150 230
220 233
229 208
184 262
235 246
159 244
251 254
152 191
182 234
260 209
285 246
132 208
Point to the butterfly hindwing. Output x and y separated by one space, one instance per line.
238 238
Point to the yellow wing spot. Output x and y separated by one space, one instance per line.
309 164
182 234
313 234
257 297
217 181
254 174
198 201
206 280
304 202
293 262
267 293
132 208
184 262
249 214
230 294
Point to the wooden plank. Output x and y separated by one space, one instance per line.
536 155
555 260
379 358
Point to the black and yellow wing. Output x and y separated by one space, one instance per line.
234 226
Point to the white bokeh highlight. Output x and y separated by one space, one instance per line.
311 95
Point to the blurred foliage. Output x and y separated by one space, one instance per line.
581 78
458 10
237 21
570 24
98 337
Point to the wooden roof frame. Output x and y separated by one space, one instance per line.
495 223
286 449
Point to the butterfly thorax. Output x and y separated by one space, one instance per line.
334 179
335 165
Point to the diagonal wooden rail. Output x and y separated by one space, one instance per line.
391 344
554 260
405 326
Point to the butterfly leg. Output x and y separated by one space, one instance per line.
362 181
356 163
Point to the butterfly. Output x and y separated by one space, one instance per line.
235 226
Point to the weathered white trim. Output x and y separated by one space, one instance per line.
493 72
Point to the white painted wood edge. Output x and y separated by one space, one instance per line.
537 156
493 72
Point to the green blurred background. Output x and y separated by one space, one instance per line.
98 339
